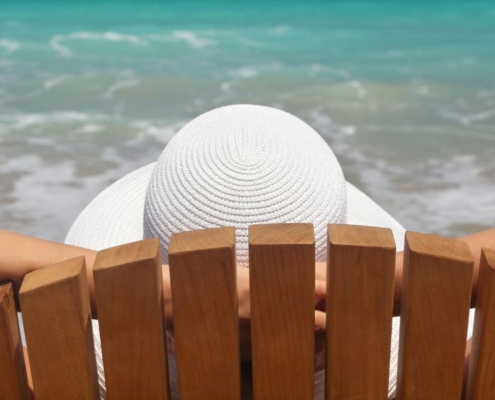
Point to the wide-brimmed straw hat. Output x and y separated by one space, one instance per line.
233 166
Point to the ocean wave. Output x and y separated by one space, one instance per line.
161 133
420 88
57 40
9 45
48 194
110 92
51 83
426 192
245 72
468 118
237 75
55 45
202 38
322 122
26 120
192 39
91 128
358 87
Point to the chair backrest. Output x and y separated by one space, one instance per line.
436 297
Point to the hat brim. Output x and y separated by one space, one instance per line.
115 216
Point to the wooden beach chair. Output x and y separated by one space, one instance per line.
360 280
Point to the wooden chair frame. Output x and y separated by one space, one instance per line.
437 282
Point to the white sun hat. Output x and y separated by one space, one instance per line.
233 166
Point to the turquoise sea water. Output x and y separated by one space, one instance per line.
404 92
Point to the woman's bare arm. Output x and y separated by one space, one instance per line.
21 254
475 242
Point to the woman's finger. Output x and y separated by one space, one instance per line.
321 271
320 290
320 321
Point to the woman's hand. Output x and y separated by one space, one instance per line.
244 307
245 311
320 314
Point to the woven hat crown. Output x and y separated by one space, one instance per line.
243 165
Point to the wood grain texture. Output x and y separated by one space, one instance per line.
360 290
482 363
282 285
204 298
13 379
129 299
436 296
57 322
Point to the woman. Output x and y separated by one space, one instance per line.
233 166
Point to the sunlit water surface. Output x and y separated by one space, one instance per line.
404 93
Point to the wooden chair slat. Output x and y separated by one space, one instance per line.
282 284
360 290
436 294
204 295
482 363
129 299
57 322
13 379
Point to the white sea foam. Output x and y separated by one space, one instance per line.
421 89
91 128
204 38
484 93
426 194
226 86
53 192
237 75
192 39
57 46
20 121
109 36
51 83
467 119
110 92
320 119
322 122
162 133
245 72
57 40
360 89
55 207
348 130
9 45
356 86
